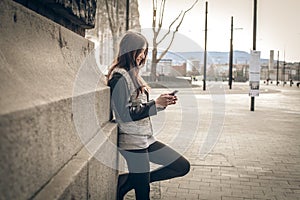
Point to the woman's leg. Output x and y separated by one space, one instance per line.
124 186
139 174
173 164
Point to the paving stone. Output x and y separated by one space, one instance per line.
253 158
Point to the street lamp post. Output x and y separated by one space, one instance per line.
127 15
231 55
230 79
254 44
298 71
283 71
205 48
277 73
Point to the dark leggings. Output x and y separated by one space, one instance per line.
138 162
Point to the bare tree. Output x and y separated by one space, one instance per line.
113 8
157 22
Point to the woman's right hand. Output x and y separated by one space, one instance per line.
165 99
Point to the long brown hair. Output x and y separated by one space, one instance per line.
131 45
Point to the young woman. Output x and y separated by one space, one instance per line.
132 110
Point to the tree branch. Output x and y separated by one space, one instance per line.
117 10
109 16
167 49
161 16
154 16
161 12
169 30
112 14
184 15
117 22
174 32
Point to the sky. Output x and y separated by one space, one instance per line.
278 25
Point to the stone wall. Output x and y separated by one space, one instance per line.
75 15
42 151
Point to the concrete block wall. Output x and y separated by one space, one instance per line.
42 154
76 15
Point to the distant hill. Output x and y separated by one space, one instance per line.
239 57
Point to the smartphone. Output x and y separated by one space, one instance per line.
173 93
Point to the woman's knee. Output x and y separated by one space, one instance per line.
182 166
186 166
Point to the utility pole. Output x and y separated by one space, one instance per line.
231 55
298 71
277 69
283 71
254 43
205 48
127 15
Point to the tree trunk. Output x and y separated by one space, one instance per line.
154 64
156 28
115 43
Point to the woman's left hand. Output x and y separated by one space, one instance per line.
172 99
165 99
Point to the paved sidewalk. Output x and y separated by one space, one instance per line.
257 154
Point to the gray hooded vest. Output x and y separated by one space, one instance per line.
141 127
